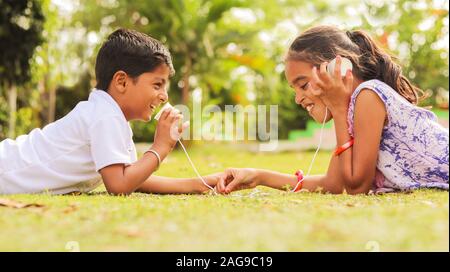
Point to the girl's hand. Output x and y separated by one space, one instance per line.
234 179
168 130
334 91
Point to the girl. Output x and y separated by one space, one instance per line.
385 142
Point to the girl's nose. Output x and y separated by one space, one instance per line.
298 98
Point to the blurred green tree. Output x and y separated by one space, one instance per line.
21 24
229 52
417 33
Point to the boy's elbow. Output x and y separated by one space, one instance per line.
118 190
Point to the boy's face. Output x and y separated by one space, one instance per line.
145 93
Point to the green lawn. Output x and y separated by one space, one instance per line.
259 220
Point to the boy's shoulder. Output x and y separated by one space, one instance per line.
99 105
101 109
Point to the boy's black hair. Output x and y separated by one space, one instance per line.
130 51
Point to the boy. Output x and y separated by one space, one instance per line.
94 141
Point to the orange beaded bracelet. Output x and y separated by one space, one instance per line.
344 147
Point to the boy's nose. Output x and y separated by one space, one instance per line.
164 97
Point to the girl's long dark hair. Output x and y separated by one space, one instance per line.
370 61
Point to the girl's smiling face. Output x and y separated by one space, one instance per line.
298 75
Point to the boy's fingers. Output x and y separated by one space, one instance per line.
174 120
184 126
165 114
175 127
174 114
171 112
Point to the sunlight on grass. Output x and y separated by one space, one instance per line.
259 220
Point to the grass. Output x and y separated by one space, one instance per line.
260 220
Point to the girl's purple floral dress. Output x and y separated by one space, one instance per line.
414 147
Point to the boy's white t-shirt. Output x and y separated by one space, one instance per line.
65 156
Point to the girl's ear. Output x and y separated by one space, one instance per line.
119 80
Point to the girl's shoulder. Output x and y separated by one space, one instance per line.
396 104
383 90
398 109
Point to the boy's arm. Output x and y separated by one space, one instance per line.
164 185
121 179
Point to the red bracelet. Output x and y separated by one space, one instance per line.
344 147
300 178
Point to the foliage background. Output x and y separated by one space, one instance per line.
225 51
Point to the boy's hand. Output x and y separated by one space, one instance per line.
234 179
212 180
168 130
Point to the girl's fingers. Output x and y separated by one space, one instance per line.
323 74
224 177
316 83
316 91
348 80
220 185
232 186
337 68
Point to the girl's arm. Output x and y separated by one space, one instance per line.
164 185
331 182
358 164
353 170
245 178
